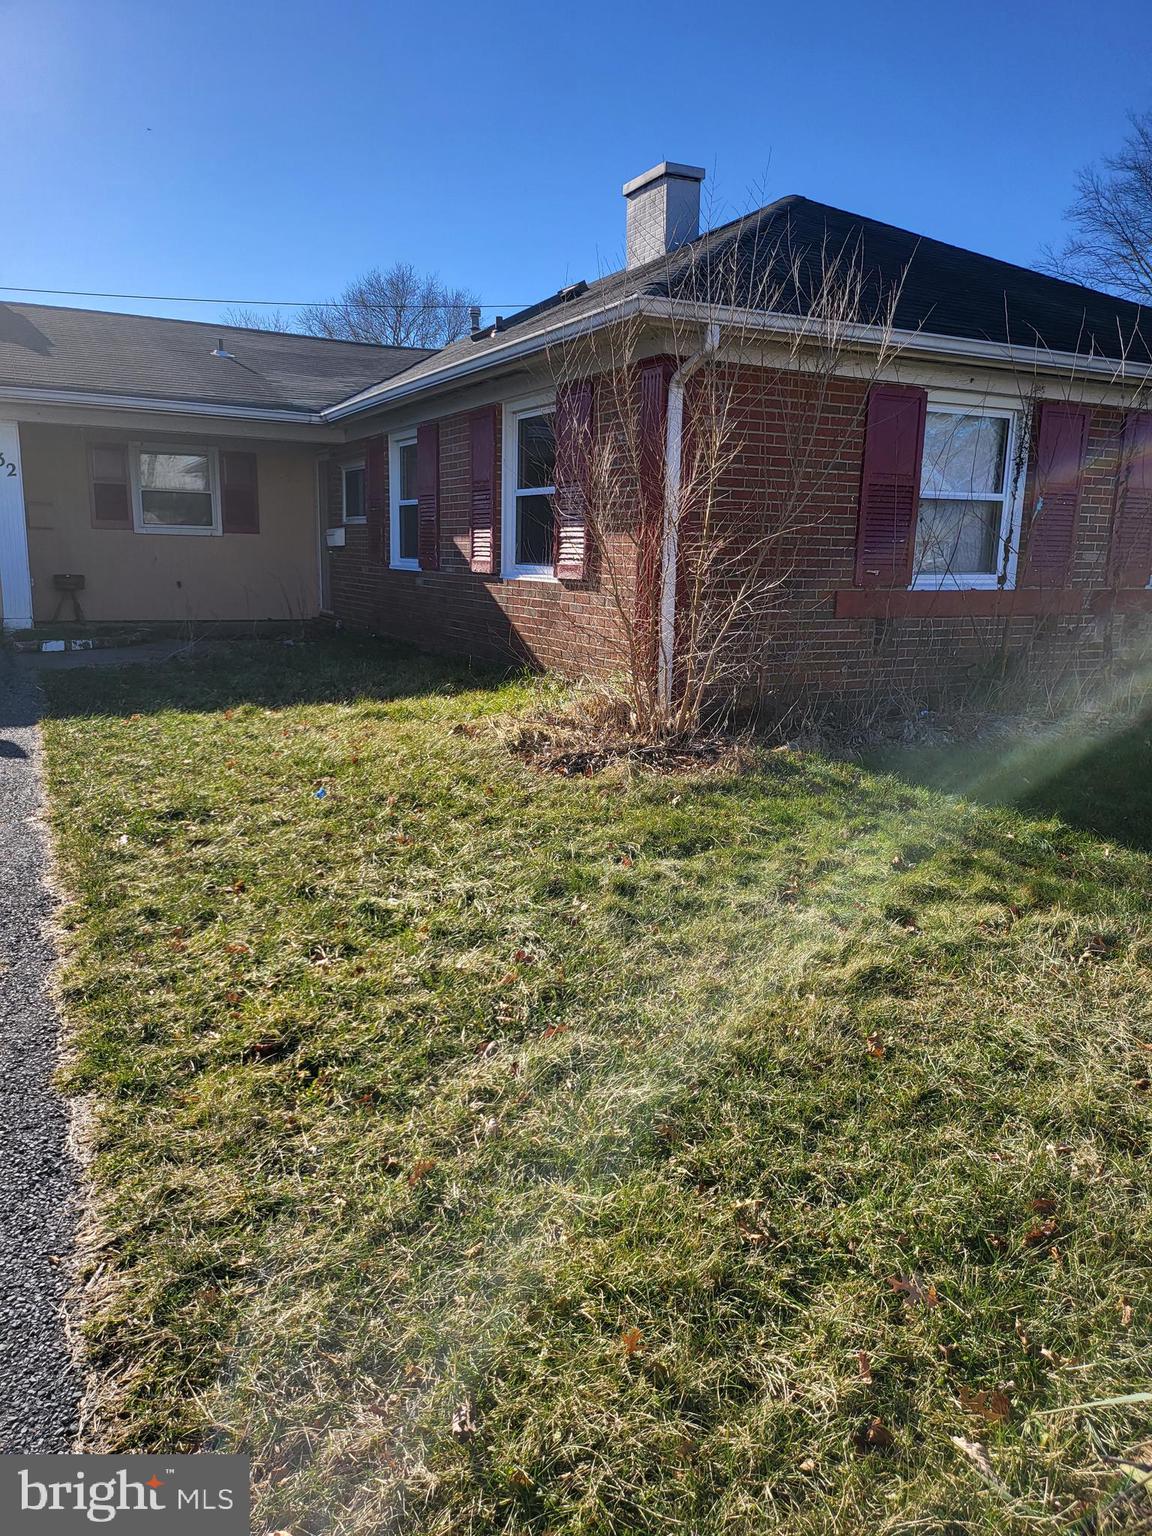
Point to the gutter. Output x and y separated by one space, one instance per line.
670 534
30 395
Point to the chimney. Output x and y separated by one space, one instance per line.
663 210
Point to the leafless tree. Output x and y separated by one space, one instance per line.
251 319
733 514
395 306
1112 217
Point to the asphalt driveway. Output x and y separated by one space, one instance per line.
39 1389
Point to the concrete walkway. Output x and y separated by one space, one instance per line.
38 1388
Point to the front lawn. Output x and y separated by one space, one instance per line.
483 1151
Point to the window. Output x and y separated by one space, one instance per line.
352 481
966 509
175 490
529 486
405 508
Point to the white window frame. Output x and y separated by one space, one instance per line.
395 444
513 413
956 403
345 471
180 531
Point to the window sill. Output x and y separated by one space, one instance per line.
194 533
529 576
403 565
355 522
951 602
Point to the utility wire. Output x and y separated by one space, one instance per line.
174 298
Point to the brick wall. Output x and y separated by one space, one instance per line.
792 489
794 485
567 626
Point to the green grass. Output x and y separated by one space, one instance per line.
595 1115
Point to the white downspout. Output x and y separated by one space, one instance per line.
670 537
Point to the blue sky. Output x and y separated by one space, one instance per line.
251 149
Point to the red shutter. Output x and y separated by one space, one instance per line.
111 491
1051 538
1132 525
376 497
239 493
574 427
428 491
482 496
890 485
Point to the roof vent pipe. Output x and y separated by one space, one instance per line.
219 350
663 210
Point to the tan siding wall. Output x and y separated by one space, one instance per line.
134 576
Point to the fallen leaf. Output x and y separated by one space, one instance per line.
977 1454
464 1423
875 1046
874 1436
420 1168
1039 1236
1125 1312
993 1406
519 1479
553 1030
914 1290
630 1340
1043 1206
864 1365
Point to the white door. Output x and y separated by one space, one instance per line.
15 577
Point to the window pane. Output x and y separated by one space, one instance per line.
534 530
174 472
408 472
958 538
537 453
353 493
410 532
176 509
963 455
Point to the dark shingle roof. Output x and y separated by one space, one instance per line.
45 347
775 257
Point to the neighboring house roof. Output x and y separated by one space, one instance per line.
775 257
44 347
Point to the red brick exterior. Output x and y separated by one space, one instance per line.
567 626
820 631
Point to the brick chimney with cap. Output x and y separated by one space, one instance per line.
663 210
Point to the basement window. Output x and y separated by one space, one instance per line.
176 490
529 488
405 504
967 508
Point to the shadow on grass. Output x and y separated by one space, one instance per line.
332 670
1098 783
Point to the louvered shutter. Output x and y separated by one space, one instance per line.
111 489
1060 445
890 485
1132 526
239 493
574 426
428 492
482 494
376 497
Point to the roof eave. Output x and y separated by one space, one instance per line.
768 323
102 400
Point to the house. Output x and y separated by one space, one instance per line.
975 481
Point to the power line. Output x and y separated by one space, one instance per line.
175 298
